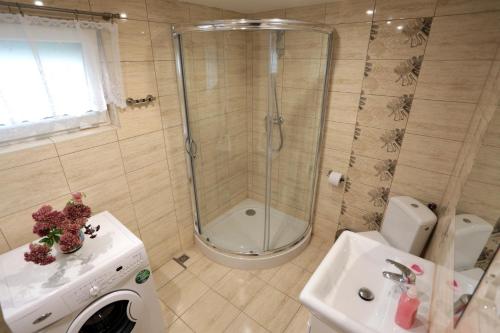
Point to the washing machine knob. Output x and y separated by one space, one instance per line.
94 291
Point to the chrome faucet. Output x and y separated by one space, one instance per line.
406 276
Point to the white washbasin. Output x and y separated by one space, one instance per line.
331 294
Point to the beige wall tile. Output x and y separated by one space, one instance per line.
71 4
143 150
365 197
451 7
203 13
314 13
81 140
303 45
139 79
174 141
272 309
459 81
167 11
161 41
17 228
371 171
211 313
166 77
342 107
151 192
31 184
480 199
135 9
356 219
92 166
378 143
446 120
160 230
346 11
428 153
383 111
391 77
347 75
26 153
338 136
170 111
399 39
464 37
113 196
492 136
306 74
486 166
229 14
134 41
164 251
396 9
423 185
350 40
135 121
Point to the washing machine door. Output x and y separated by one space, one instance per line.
118 311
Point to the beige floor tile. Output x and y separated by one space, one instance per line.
266 274
245 324
239 287
310 258
193 253
168 315
290 280
182 292
299 322
272 309
179 327
211 313
208 271
166 273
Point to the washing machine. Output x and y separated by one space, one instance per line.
106 286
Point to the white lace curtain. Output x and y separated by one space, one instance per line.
56 75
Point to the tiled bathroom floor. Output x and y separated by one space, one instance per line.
208 297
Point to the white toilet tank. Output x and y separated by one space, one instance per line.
471 235
407 224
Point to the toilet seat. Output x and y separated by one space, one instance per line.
376 236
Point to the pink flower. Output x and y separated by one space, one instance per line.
77 197
77 211
69 241
46 218
39 254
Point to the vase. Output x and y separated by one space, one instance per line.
77 247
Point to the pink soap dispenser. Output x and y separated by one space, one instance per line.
407 308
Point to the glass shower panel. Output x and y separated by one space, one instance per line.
297 125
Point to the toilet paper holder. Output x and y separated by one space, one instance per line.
330 171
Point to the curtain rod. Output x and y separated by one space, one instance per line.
19 6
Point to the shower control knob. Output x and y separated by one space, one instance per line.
94 291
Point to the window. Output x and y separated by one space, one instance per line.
56 75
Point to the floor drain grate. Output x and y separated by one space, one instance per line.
250 212
181 260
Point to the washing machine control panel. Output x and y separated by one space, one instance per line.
105 280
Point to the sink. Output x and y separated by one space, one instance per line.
355 262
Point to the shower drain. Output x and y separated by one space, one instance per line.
250 212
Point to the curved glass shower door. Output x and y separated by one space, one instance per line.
253 123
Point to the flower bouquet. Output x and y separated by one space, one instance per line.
66 228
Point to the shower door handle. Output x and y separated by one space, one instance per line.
191 147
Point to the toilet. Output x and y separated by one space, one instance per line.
471 235
406 226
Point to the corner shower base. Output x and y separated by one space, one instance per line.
238 230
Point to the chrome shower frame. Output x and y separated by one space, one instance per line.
247 25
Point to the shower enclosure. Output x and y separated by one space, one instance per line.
254 94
